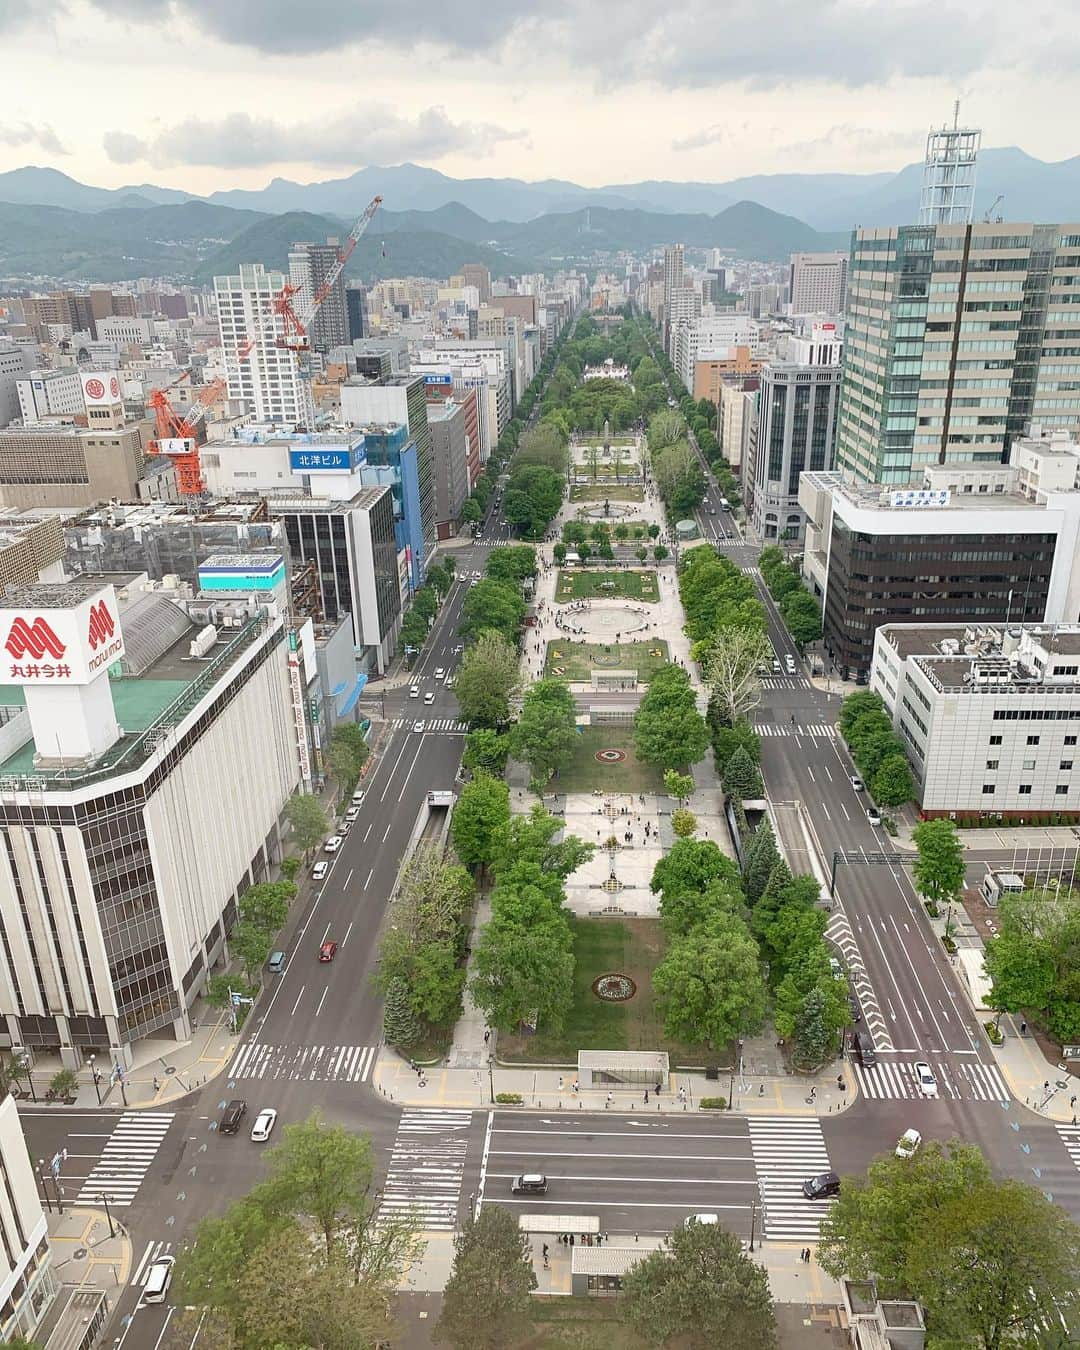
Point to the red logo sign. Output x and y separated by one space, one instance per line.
34 640
94 389
102 626
114 386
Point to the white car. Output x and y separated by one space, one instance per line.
924 1076
158 1279
418 726
707 1219
429 698
908 1144
332 844
264 1123
414 691
352 813
358 797
440 672
873 815
856 782
319 871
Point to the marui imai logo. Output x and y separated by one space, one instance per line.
102 626
34 639
94 388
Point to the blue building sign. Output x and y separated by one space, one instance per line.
446 380
334 459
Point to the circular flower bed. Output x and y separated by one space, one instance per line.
614 988
610 756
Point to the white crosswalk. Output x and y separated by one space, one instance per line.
427 1166
1070 1137
891 1080
783 682
750 571
126 1158
787 1150
445 724
305 1063
819 729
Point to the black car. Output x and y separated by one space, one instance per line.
231 1117
822 1186
856 1011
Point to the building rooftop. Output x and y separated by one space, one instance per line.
959 658
928 501
285 499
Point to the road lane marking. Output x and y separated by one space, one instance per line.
326 932
346 937
318 1010
368 882
299 996
388 829
349 877
368 831
845 811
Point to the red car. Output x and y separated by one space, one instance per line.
327 951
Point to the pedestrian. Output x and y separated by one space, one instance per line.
575 1086
610 1099
646 1096
813 1094
1072 1102
487 1035
682 1094
560 1082
657 1089
544 1249
1046 1086
156 1084
571 1239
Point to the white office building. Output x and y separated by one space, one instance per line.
124 845
711 336
268 379
46 394
126 330
738 408
28 1283
14 363
818 283
990 716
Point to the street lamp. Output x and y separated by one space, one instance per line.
112 1231
491 1076
95 1073
44 1187
753 1222
22 1062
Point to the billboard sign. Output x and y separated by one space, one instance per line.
335 459
444 380
921 497
101 386
54 645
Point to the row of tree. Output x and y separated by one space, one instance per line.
1032 961
676 469
426 600
797 606
668 729
875 747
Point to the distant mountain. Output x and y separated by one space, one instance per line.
38 186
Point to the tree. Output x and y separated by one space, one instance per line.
708 985
471 513
854 706
486 751
760 859
513 563
251 945
266 905
209 1270
732 662
873 1226
892 784
322 1172
813 1035
545 736
487 1300
486 679
684 823
435 983
559 552
939 867
741 777
702 1289
492 605
1031 961
524 971
690 865
400 1026
307 821
802 616
480 816
668 729
660 552
678 785
290 867
726 740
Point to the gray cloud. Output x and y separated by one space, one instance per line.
27 133
689 43
367 135
864 140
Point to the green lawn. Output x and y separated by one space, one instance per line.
579 1324
627 472
585 773
603 946
574 661
590 583
599 492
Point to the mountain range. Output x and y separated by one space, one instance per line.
1032 189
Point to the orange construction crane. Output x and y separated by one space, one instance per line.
177 434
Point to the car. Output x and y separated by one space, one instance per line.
414 691
856 782
429 698
708 1219
864 1051
418 726
332 844
231 1117
873 815
344 828
358 798
276 964
352 813
789 662
529 1183
835 968
440 672
264 1123
158 1279
711 509
908 1144
821 1187
853 1006
725 505
924 1077
319 871
327 951
775 666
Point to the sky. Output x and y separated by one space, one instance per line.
209 94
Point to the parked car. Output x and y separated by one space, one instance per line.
319 871
856 1011
358 797
835 968
864 1051
708 1219
327 951
924 1077
332 844
822 1186
908 1144
352 813
264 1123
276 963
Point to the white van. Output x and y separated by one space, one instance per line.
156 1288
725 505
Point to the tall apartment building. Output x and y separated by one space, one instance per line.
268 379
356 311
69 309
674 264
738 410
796 432
476 274
309 267
451 451
957 337
818 283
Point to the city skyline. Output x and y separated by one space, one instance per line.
273 92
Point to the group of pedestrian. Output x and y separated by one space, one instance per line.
806 1254
586 1240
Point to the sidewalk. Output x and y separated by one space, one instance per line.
84 1254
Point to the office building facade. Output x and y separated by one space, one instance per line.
818 283
28 1282
674 267
263 377
309 267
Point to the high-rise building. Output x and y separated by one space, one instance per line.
956 338
356 311
948 186
818 283
268 379
28 1282
14 363
45 394
451 451
674 261
476 274
309 267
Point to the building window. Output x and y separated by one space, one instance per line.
988 789
992 763
995 740
1033 740
1061 789
1025 789
1029 764
1065 764
1070 740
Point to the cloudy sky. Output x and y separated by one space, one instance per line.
206 94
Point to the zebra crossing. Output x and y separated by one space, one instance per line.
1070 1137
126 1158
895 1081
783 682
839 932
427 1166
450 725
819 729
305 1063
787 1150
750 571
